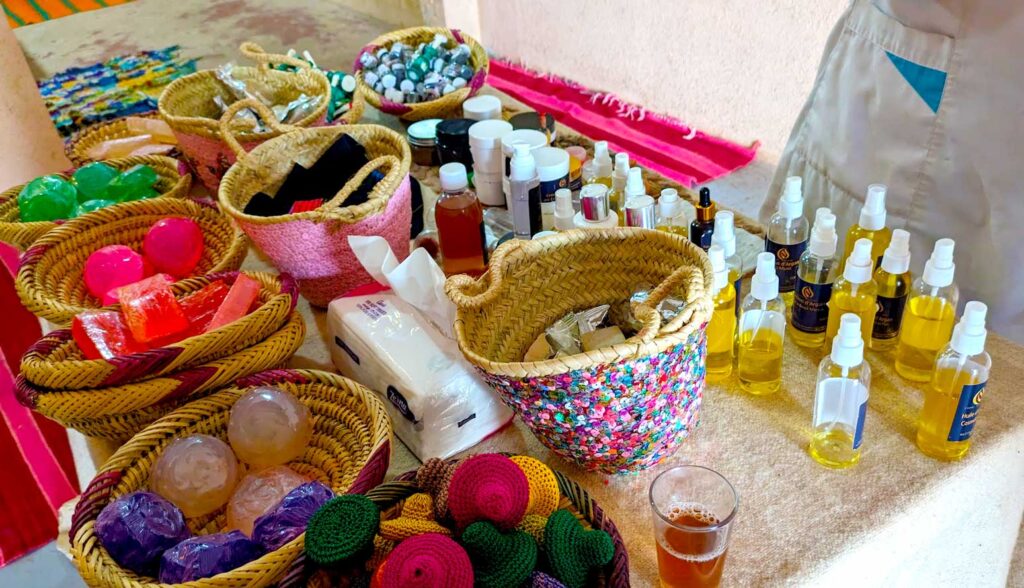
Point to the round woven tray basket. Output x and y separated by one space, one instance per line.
50 283
119 411
350 451
173 181
443 107
77 148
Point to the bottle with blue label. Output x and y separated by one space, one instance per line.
815 276
958 383
786 237
841 399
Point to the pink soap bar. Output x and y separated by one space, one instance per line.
103 333
111 267
174 246
237 303
150 309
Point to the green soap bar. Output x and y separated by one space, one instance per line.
132 183
91 205
92 181
47 198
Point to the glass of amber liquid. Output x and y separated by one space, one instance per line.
694 508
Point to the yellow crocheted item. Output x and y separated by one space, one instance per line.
544 492
417 518
533 525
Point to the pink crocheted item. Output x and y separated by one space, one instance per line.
427 561
488 487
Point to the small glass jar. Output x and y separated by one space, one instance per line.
422 137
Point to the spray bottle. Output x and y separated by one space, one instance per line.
928 319
854 292
722 328
602 170
870 225
762 331
671 218
564 210
958 382
786 238
524 188
815 278
617 193
893 281
841 398
725 237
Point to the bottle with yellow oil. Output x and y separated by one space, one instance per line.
892 278
855 292
814 280
725 237
786 237
601 170
762 330
928 318
671 217
870 225
841 399
951 402
722 327
617 194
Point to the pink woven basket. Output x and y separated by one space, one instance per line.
313 246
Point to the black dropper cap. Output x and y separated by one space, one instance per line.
705 197
706 208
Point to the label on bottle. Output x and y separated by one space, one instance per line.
810 306
888 317
548 189
966 412
858 435
576 183
787 258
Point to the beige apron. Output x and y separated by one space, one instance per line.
926 96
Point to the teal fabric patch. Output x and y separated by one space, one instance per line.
927 82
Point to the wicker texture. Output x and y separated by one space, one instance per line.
50 282
173 181
313 246
57 363
443 107
349 452
188 107
77 148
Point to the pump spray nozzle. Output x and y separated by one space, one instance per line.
764 286
848 346
896 259
635 183
622 163
939 269
791 205
969 334
872 214
859 265
725 231
717 256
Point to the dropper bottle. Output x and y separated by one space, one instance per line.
928 318
524 187
762 331
951 402
870 225
786 237
725 237
815 278
703 226
617 194
602 169
722 327
893 281
841 398
854 292
671 217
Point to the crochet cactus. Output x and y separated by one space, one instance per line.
427 561
544 493
488 487
500 560
572 550
343 528
417 518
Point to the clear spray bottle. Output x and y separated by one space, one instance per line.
524 187
854 292
617 194
892 278
815 277
725 237
870 225
762 331
722 328
786 238
928 318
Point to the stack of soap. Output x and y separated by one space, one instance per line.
94 186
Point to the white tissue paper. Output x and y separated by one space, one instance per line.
398 343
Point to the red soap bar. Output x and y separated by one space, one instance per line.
200 306
103 333
150 309
236 305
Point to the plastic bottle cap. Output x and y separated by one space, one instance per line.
594 202
622 162
717 256
764 286
640 212
487 134
669 203
939 269
578 152
635 183
896 259
524 167
552 163
872 214
453 177
859 265
847 346
823 234
791 205
601 152
535 139
725 232
482 108
563 201
969 334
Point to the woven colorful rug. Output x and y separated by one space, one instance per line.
25 12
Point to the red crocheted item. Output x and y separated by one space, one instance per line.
427 561
488 487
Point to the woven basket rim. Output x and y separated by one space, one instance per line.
72 147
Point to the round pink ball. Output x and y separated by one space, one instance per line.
174 246
111 267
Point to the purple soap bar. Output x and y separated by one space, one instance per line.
206 556
288 519
137 528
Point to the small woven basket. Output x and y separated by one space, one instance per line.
635 402
350 452
173 181
313 246
442 107
50 282
118 412
77 148
188 107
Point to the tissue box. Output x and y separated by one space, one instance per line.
438 405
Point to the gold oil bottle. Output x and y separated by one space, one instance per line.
722 327
928 318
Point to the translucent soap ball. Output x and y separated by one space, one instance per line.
269 426
258 493
197 473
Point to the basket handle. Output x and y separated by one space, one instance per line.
333 205
646 312
472 293
268 60
264 112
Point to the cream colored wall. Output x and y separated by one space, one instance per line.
737 68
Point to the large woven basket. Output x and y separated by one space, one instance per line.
634 402
77 148
50 282
443 107
173 181
188 107
350 452
119 411
57 363
313 246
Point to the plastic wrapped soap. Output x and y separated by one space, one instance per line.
206 556
288 519
137 528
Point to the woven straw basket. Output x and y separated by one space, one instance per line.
119 411
172 181
50 280
349 452
442 107
313 246
77 148
188 107
633 402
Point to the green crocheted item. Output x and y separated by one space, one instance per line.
572 550
500 560
343 528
